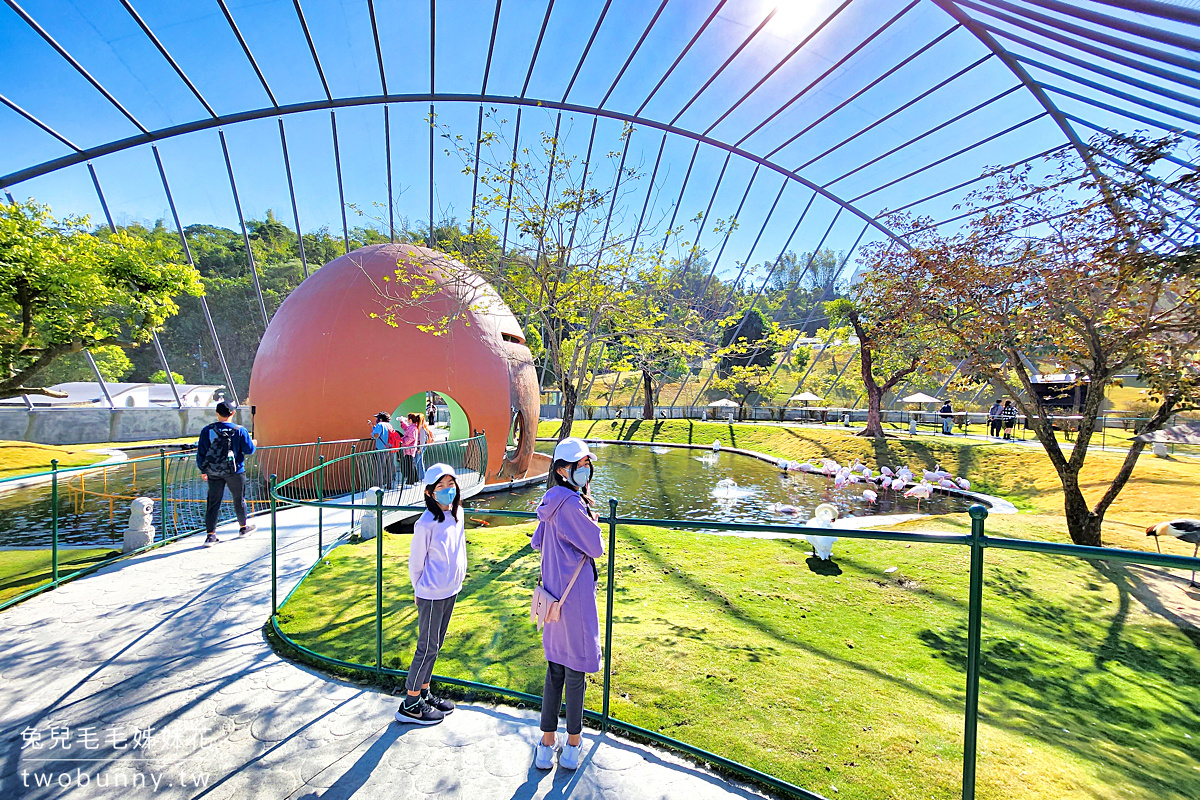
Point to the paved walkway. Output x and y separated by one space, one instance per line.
151 678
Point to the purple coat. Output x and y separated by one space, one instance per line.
564 535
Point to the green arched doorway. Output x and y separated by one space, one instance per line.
460 424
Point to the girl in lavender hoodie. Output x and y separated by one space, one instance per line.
567 535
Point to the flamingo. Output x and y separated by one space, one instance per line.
807 467
870 497
921 491
858 466
839 482
964 484
866 473
887 471
946 483
898 484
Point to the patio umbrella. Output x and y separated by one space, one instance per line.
1177 434
806 397
920 397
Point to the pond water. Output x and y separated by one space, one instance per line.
678 483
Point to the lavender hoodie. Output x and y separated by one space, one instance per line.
564 535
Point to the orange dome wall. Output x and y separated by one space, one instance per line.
325 365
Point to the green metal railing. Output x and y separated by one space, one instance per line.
87 507
977 541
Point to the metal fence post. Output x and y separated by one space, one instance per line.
974 625
320 509
54 520
274 550
608 616
162 485
379 580
352 463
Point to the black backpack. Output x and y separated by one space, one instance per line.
219 459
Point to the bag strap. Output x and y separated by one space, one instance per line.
574 575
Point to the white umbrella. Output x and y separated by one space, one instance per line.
806 397
1178 434
722 403
920 397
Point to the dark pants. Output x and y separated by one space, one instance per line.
552 696
216 493
433 618
994 427
408 468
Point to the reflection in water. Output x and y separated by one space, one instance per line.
674 483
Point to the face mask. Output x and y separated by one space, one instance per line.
445 495
581 475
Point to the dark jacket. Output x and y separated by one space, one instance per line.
242 444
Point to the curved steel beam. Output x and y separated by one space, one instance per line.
1018 69
162 134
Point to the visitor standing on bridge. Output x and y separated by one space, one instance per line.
568 537
437 564
221 454
408 448
385 438
424 439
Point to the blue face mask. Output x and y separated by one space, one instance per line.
581 475
445 495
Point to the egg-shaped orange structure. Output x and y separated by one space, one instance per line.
351 341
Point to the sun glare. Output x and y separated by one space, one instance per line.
793 16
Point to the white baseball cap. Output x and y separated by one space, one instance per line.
571 450
435 473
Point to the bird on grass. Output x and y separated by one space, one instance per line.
1185 530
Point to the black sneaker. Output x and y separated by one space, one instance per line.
250 526
420 714
211 539
440 703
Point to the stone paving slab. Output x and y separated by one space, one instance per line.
151 678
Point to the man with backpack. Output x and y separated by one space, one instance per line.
386 438
221 453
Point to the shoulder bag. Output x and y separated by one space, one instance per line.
545 607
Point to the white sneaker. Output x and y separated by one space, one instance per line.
543 757
570 756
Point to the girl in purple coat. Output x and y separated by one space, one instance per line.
567 535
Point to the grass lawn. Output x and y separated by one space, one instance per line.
845 676
23 458
22 570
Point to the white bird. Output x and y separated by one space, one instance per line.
898 484
856 479
858 466
887 471
921 491
931 475
830 467
905 473
946 483
870 497
807 467
866 473
839 482
964 484
716 445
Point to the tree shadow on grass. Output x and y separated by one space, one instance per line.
1094 710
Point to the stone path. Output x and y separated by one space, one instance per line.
151 678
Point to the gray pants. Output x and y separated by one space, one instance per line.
552 693
433 618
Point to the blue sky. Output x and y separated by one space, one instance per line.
106 40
